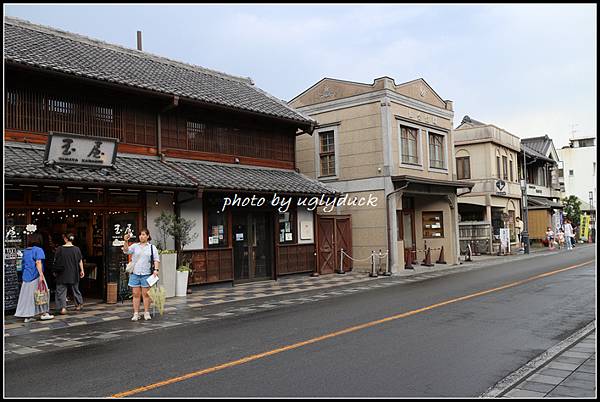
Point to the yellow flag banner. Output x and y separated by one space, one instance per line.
585 228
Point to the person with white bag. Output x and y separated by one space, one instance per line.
144 255
33 278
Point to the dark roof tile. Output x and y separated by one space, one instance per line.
61 51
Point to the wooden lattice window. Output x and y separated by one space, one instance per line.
327 153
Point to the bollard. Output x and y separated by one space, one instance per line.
373 274
388 271
469 253
441 259
380 271
341 271
427 261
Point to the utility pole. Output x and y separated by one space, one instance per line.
525 233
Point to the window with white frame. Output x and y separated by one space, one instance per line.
409 142
436 151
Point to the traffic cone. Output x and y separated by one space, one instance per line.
427 261
441 259
408 259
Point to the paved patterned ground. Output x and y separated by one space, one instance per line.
571 374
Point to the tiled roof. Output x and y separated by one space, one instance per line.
471 122
234 177
538 144
53 49
542 203
26 161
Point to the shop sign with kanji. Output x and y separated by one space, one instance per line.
75 149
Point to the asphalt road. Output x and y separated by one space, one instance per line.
457 349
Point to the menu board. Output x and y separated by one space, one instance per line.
14 244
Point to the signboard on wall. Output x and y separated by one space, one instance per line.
306 230
81 150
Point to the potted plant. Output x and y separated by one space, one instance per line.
183 273
181 230
168 258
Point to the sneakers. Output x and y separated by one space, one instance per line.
29 319
136 316
46 316
147 316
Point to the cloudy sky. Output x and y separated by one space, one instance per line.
530 69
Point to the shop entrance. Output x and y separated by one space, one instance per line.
93 236
253 246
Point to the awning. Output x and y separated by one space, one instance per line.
542 203
427 185
220 176
24 163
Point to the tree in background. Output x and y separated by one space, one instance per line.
572 209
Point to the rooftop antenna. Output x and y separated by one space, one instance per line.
573 131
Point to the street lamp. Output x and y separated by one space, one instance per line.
525 233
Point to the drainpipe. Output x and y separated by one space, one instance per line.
387 211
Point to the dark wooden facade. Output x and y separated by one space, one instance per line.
36 104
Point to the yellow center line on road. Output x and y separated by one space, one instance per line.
335 334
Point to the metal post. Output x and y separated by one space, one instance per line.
388 271
379 270
341 262
525 233
373 273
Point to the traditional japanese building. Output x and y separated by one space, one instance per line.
100 138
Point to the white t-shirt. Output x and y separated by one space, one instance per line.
568 230
141 258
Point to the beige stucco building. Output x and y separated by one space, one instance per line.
489 157
394 142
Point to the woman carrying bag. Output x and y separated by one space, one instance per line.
68 267
33 282
145 263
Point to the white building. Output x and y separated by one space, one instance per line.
579 170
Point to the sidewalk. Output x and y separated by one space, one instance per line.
98 322
567 370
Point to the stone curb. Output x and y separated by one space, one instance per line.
517 377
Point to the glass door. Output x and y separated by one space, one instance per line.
253 246
408 235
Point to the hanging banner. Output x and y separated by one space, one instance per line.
585 227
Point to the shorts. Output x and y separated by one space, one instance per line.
138 280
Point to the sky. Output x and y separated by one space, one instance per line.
529 69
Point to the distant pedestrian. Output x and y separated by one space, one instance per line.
569 237
33 275
561 239
519 230
550 238
68 268
146 262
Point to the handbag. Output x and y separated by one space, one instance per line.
130 266
42 295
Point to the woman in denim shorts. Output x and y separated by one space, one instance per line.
144 254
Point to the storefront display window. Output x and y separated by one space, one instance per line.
433 225
217 229
286 228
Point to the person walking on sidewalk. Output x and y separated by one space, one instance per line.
68 268
519 229
146 262
568 234
33 275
